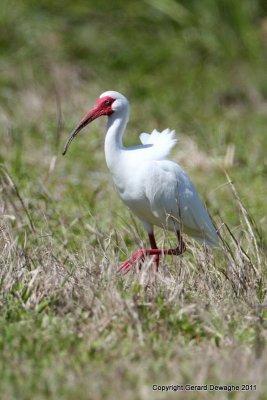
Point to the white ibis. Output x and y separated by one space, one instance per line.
156 189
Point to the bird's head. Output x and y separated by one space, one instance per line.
107 104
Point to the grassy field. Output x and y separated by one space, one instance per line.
70 327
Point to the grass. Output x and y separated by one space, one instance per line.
70 327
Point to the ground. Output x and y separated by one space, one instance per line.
71 328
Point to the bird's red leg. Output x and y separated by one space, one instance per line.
180 249
139 256
153 245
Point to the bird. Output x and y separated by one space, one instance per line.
157 190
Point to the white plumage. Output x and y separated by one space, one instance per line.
156 189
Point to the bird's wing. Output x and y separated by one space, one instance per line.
172 194
161 143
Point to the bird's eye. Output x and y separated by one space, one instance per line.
107 102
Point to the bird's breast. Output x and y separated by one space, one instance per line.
132 192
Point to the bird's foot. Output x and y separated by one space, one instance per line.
139 257
135 259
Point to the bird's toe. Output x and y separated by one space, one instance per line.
135 259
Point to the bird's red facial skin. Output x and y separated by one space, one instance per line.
103 104
101 107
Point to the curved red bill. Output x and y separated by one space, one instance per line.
89 117
102 107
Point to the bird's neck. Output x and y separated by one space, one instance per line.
113 142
